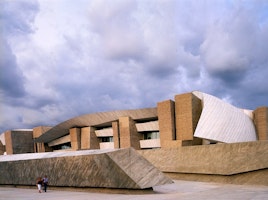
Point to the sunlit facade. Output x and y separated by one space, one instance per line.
193 118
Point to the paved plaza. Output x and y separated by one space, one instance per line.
183 190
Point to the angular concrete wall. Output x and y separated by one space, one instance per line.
166 120
188 110
2 148
129 136
19 141
75 136
222 159
261 122
238 163
258 177
9 143
37 132
116 136
123 168
89 140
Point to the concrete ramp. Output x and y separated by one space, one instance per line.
122 168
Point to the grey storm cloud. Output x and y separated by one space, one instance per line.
11 78
64 58
13 22
17 17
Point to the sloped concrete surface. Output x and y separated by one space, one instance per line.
121 168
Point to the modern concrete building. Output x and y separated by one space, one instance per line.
195 136
193 118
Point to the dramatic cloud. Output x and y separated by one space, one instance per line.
11 80
14 24
64 58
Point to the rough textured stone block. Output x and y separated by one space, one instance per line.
171 144
2 148
129 136
75 135
89 139
115 126
9 143
258 177
123 168
261 122
239 163
37 132
220 159
19 141
187 110
166 120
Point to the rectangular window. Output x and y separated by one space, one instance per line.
62 146
151 135
107 139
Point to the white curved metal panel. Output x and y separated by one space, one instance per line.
249 113
223 122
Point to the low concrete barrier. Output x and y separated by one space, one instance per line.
122 168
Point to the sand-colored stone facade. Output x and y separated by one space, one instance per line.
167 136
260 120
19 141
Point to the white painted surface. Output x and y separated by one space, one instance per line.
223 122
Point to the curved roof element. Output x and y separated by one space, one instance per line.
95 119
223 122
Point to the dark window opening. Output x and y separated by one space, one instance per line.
107 139
151 135
62 146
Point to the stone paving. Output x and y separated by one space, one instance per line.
182 190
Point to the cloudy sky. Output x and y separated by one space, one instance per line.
63 58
